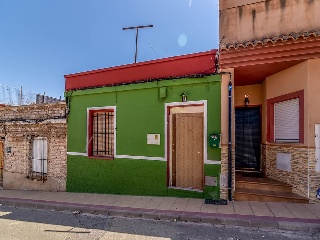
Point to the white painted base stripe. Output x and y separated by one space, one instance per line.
212 162
123 156
77 154
141 157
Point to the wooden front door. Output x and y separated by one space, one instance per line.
187 151
1 159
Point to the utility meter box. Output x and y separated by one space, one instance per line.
214 140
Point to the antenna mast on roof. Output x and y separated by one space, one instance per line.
137 34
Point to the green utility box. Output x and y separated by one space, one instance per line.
162 93
214 140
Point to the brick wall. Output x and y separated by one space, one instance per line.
19 125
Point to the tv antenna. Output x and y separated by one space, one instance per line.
137 35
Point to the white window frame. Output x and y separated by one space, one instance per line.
39 156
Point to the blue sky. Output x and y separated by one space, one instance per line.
42 40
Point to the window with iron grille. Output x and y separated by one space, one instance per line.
101 133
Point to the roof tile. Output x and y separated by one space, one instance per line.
273 39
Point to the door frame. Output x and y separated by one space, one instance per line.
168 107
260 160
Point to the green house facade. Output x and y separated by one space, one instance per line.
146 129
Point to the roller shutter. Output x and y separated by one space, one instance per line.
286 121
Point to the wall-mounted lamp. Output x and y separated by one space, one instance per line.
246 100
184 97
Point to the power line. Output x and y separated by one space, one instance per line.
152 48
162 43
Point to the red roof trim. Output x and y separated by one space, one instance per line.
161 60
192 64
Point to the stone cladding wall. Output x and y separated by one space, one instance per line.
303 164
314 177
224 172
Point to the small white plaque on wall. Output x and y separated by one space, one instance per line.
153 139
284 161
210 181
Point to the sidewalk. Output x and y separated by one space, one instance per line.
288 216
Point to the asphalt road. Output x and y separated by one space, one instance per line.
28 224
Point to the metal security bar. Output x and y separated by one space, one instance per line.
103 134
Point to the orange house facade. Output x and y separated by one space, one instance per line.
271 49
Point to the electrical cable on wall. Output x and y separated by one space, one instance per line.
38 120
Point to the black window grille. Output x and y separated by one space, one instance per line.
103 134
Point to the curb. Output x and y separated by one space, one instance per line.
295 224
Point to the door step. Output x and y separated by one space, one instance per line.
264 184
243 194
256 187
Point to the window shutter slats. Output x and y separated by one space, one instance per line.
286 121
